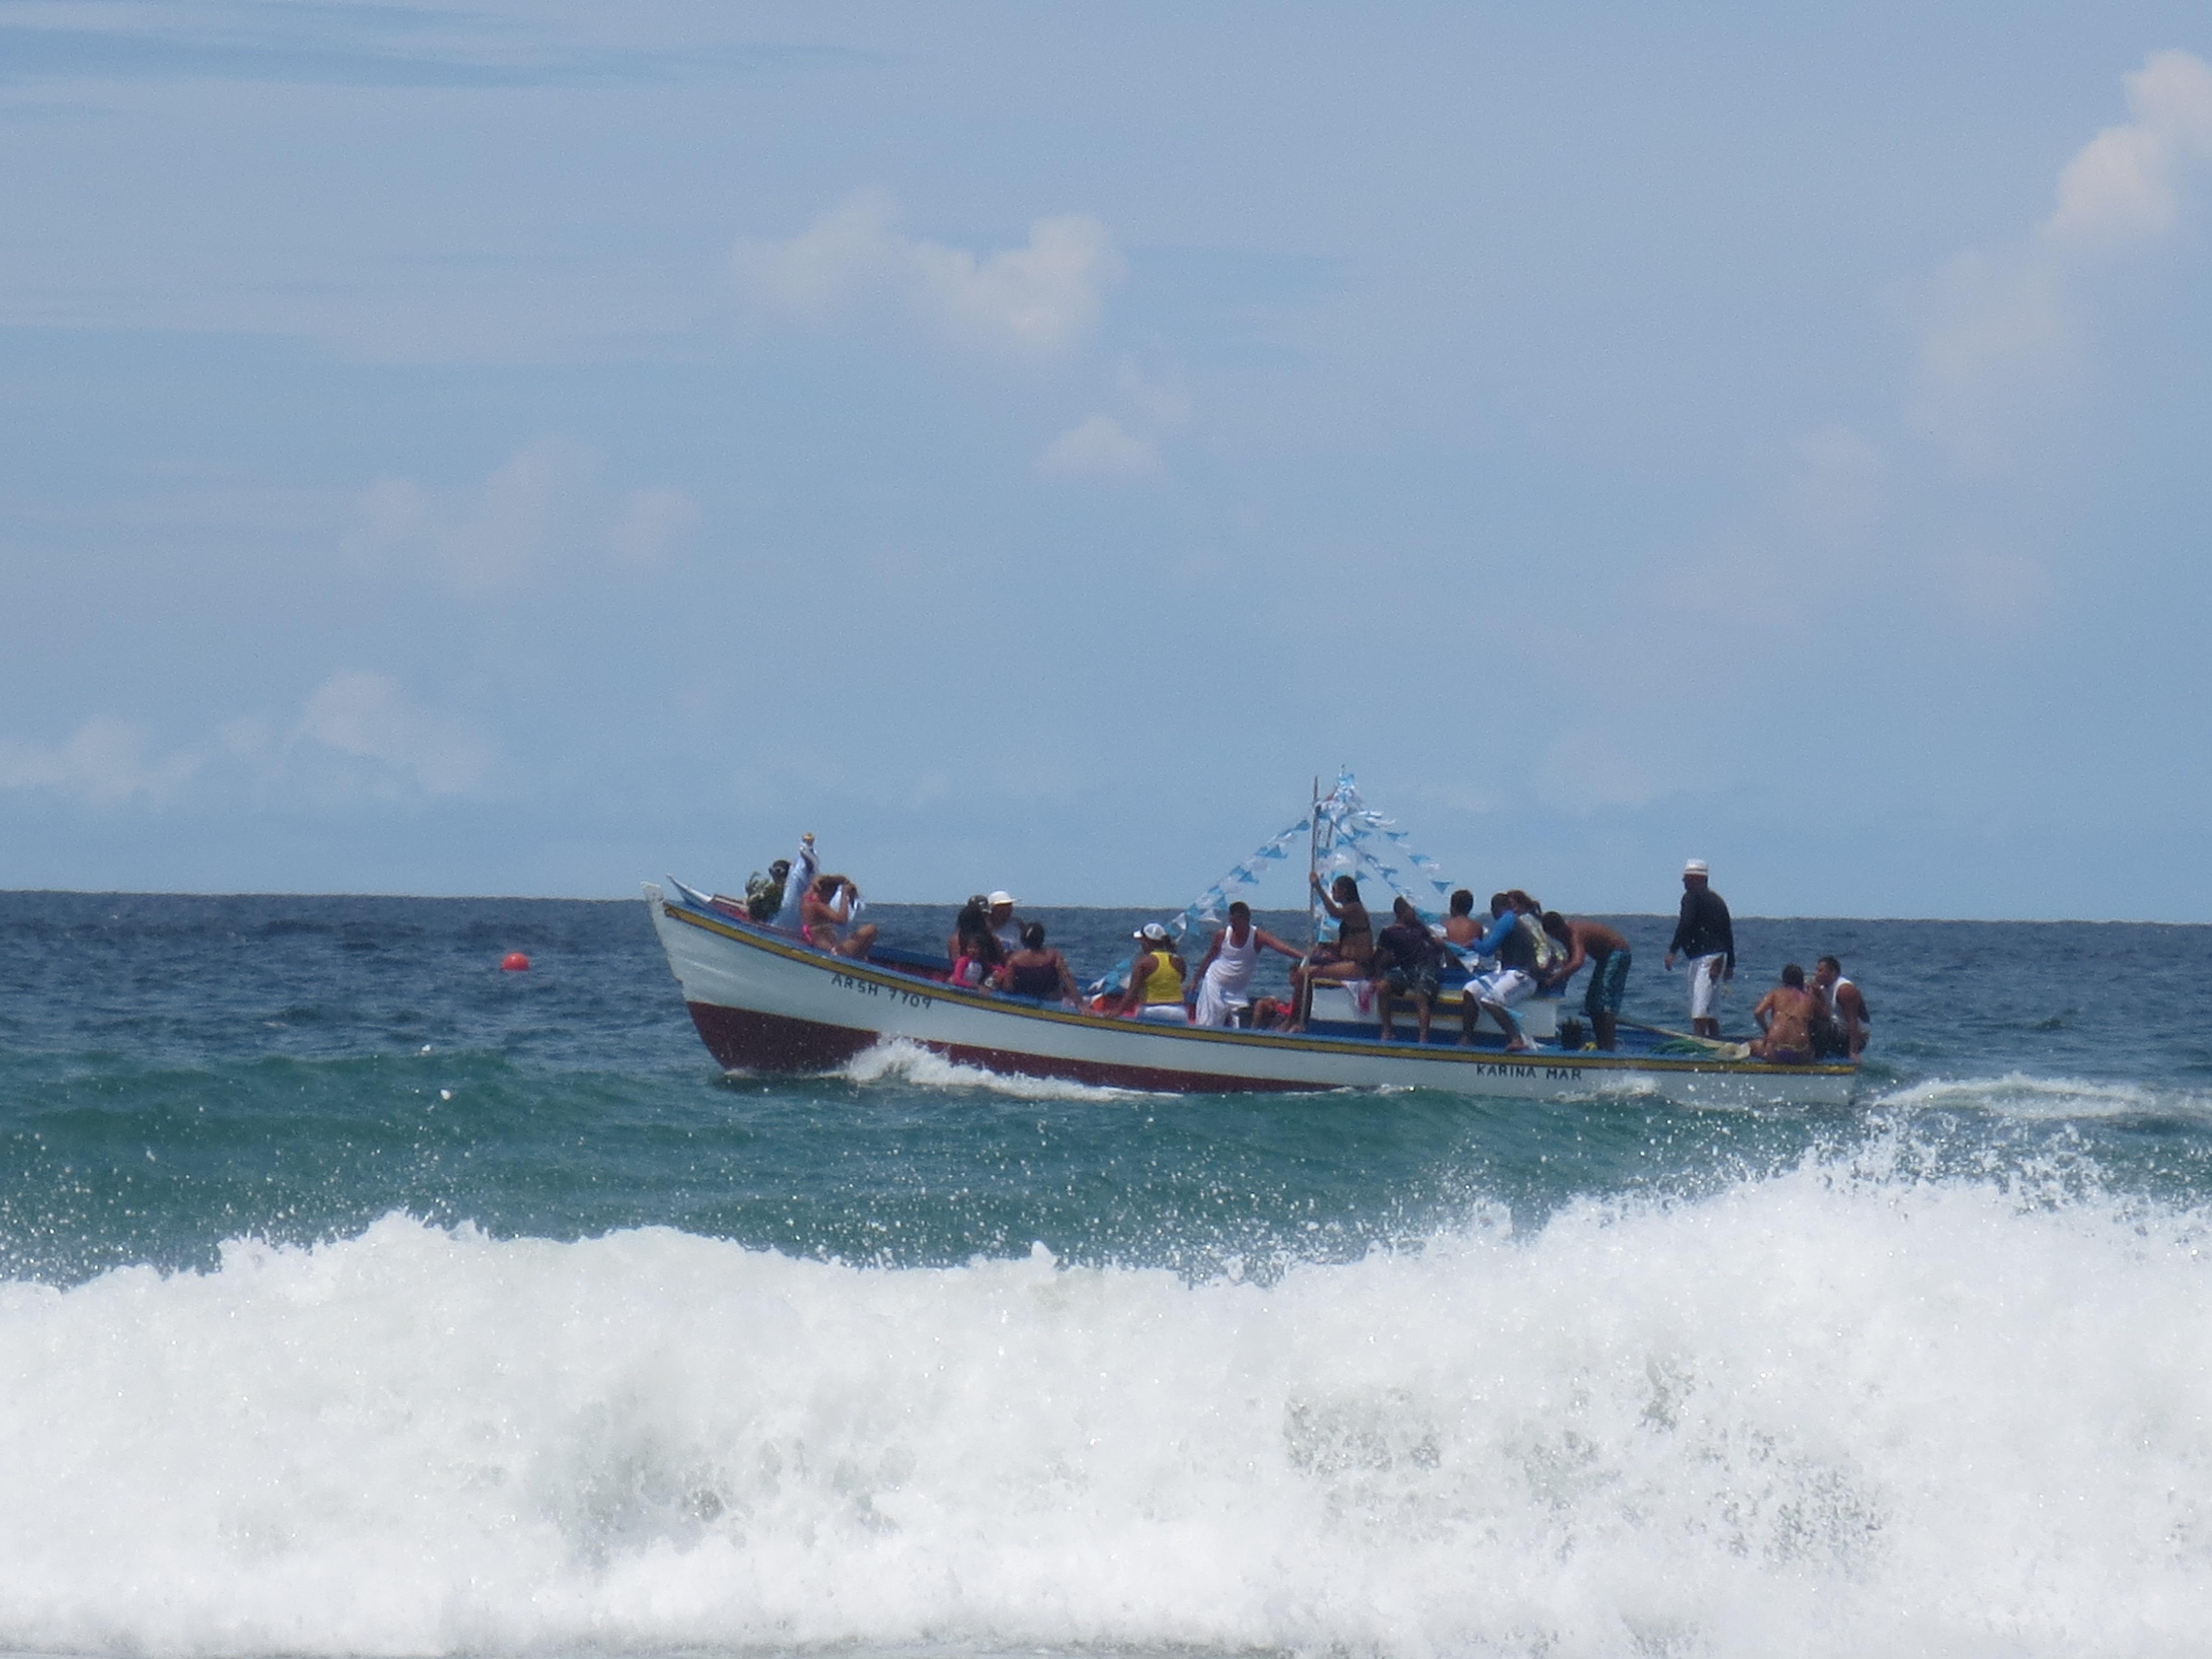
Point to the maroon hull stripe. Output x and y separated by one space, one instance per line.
744 1041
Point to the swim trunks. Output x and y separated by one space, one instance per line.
1404 981
1608 982
1505 988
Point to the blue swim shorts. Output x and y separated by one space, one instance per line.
1608 980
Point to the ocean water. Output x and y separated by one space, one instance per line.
358 1298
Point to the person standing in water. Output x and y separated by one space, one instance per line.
1704 934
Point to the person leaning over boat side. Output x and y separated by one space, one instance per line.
1034 971
1224 972
1512 982
1005 925
1156 978
1785 1021
1607 953
1405 965
973 949
1704 934
1839 1024
1346 958
825 909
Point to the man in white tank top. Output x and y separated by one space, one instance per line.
1224 977
1843 1028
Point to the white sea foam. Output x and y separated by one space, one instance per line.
1837 1411
910 1062
2018 1095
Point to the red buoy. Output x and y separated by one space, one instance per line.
514 961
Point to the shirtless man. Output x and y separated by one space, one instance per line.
1347 960
823 911
1607 952
1843 1030
1785 1016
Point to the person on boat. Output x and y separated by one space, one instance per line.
797 883
1034 971
1461 931
1005 925
1407 957
764 894
1224 972
1706 936
1785 1021
1607 953
1346 958
1512 982
973 949
1156 978
825 910
1839 1025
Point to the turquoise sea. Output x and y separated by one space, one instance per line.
357 1297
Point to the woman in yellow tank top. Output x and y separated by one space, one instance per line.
1156 976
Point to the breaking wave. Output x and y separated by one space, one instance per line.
897 1060
1837 1410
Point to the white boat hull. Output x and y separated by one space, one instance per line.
766 1001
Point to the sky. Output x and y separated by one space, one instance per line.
529 448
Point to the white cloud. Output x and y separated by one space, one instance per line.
105 762
652 521
2004 328
541 506
1101 448
367 715
1040 298
2125 186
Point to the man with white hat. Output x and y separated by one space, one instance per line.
1005 925
1707 937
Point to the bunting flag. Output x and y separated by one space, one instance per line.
1349 838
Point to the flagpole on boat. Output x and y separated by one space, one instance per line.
1313 868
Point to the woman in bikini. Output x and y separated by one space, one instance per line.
823 911
1347 960
1785 1016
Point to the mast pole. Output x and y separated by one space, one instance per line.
1313 868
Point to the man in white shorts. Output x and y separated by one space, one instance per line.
1511 982
1704 934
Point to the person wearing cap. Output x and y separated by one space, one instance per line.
1704 934
1005 925
1156 978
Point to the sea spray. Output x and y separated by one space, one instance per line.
1840 1408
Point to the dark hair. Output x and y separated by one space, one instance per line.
1343 884
1033 936
1500 901
779 869
827 884
1829 962
1402 906
1556 926
1794 975
1521 901
1463 902
1237 905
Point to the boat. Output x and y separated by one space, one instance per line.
766 1001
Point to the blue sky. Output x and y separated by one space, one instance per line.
533 448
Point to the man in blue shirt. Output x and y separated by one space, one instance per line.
1513 980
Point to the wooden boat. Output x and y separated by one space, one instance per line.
767 1001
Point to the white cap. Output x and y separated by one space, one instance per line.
1154 932
1002 897
1697 867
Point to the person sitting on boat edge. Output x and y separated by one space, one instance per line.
1005 925
1224 972
1405 965
1512 982
1785 1021
1607 952
1156 978
1839 1023
823 911
1346 958
1034 971
973 949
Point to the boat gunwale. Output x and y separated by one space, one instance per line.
774 943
